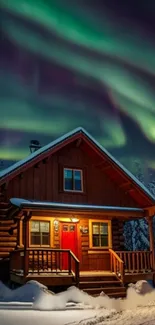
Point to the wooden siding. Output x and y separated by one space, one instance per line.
90 259
45 182
117 235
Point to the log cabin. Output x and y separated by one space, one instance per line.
62 211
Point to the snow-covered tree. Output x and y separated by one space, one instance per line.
128 231
140 237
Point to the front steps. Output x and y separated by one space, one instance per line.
109 284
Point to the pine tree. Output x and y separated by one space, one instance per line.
128 236
139 235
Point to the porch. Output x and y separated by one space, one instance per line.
60 267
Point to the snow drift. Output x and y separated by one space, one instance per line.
73 294
140 294
27 293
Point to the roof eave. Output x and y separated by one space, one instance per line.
105 210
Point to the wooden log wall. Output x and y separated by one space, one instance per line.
91 259
117 235
8 235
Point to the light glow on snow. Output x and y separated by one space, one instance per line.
34 303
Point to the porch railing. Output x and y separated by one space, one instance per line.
116 264
136 261
44 260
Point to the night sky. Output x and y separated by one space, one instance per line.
70 63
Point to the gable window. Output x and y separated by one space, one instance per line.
40 233
100 234
73 180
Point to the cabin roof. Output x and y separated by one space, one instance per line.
79 132
22 203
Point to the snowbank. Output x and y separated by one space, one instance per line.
78 307
141 287
26 293
39 298
46 301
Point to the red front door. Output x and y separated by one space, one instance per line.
68 241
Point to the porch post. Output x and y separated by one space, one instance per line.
18 233
151 236
26 242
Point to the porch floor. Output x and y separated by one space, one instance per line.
63 279
56 279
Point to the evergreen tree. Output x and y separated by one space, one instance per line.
128 236
139 235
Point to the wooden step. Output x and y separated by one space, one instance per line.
117 294
111 292
91 284
93 278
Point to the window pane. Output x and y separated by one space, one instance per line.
45 239
77 175
103 229
104 240
96 229
65 228
44 227
68 173
100 234
68 179
35 238
34 226
72 228
68 185
77 180
96 241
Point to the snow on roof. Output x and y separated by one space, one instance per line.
56 142
21 203
38 152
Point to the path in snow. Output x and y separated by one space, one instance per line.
138 316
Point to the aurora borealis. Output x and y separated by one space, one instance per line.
69 63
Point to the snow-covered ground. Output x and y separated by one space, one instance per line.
34 303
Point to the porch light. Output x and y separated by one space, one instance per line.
74 220
56 225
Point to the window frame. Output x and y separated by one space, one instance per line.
73 170
91 221
50 232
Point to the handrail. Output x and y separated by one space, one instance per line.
77 267
117 265
47 249
136 261
74 256
147 251
115 254
39 259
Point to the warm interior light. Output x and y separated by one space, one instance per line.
74 220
